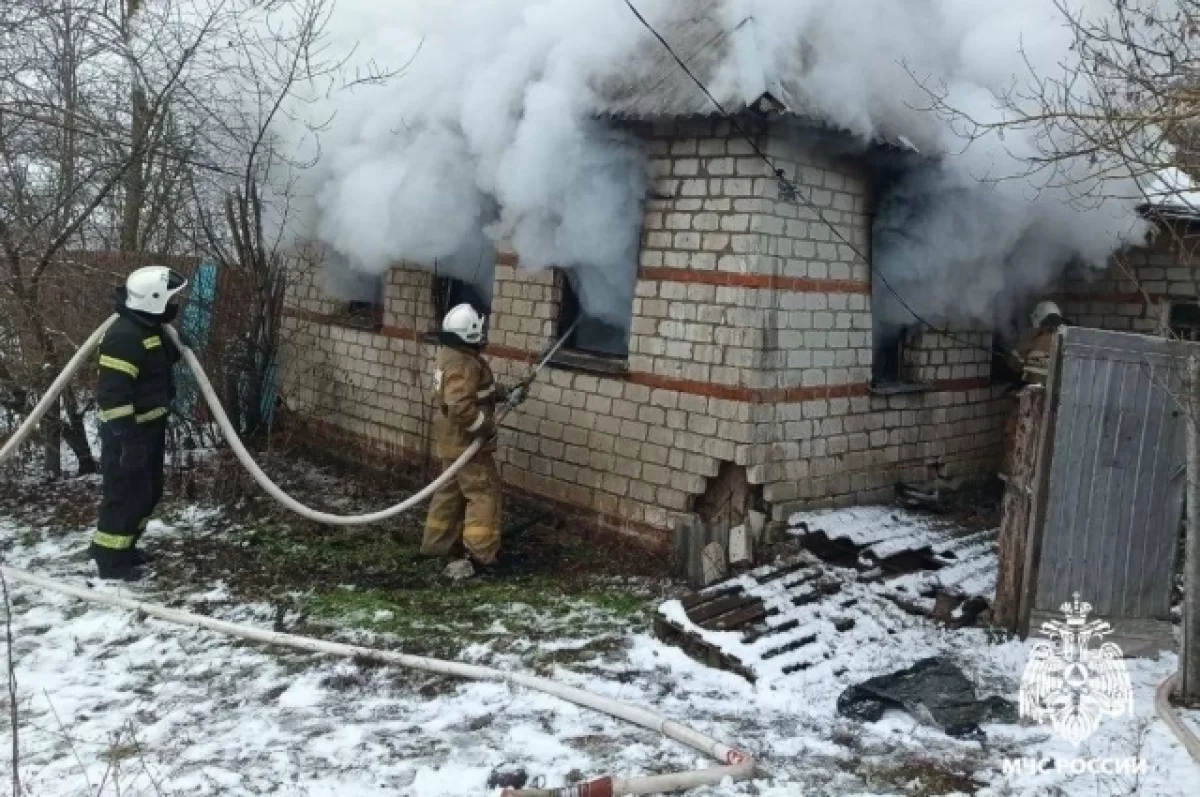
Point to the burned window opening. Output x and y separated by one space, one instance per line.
365 311
890 366
1002 371
448 288
592 337
892 332
1184 320
449 292
889 358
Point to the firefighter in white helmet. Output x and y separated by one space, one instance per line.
134 393
1032 357
1032 361
464 516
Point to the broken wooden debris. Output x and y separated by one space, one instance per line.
889 544
698 648
697 598
784 617
706 613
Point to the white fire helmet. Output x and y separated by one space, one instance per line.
150 289
465 322
1043 311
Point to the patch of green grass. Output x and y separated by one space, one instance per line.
373 580
334 549
514 614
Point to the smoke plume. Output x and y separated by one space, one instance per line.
495 132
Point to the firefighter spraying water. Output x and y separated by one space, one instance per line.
464 516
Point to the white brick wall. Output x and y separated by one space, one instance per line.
1134 292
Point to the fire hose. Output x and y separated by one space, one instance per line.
235 443
734 764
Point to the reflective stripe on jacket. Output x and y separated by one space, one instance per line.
136 380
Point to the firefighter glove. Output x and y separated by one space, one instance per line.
516 396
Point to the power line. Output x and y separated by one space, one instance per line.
792 191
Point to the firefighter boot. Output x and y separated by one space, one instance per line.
113 562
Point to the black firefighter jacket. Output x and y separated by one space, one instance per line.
136 380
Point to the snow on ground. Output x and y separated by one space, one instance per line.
112 703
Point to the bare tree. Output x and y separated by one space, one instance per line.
1125 105
144 128
244 223
149 129
67 147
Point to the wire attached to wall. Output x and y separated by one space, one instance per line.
790 192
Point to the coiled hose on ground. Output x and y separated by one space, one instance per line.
734 763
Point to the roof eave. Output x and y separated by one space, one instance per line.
898 144
1169 213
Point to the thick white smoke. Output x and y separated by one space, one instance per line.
487 136
492 134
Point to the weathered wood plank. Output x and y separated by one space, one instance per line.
707 611
1017 506
697 598
732 621
698 649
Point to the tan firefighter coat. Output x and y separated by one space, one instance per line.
466 511
1033 355
466 397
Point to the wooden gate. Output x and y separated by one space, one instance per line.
1111 482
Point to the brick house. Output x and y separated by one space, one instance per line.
745 380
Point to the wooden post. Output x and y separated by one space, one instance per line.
1017 507
1043 463
1189 657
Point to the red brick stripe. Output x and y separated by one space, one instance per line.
732 279
970 383
771 395
689 386
736 280
748 394
510 353
307 315
785 395
792 395
400 333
